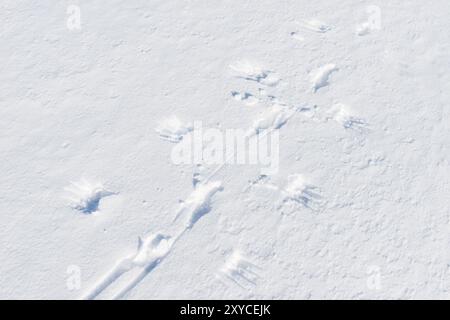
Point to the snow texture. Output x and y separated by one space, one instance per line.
95 95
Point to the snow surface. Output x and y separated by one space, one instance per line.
93 206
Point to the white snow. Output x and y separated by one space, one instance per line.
95 96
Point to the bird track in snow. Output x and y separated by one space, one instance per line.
86 196
296 190
319 77
299 190
173 129
197 203
343 115
240 271
153 249
247 98
253 72
273 118
150 252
